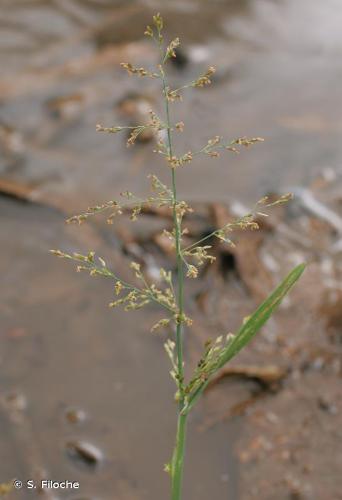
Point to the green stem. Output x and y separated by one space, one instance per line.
178 458
180 273
178 455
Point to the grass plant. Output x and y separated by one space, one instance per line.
170 295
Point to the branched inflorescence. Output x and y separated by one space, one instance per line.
170 295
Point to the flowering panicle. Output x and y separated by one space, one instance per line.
204 79
244 141
163 197
112 204
245 222
163 194
165 296
171 49
216 143
173 95
161 148
211 148
148 31
154 123
159 24
192 271
133 136
134 297
132 70
248 221
155 32
109 130
87 263
200 255
181 208
116 208
142 291
171 235
132 300
265 201
175 161
170 350
162 323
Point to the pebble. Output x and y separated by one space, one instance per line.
75 415
84 453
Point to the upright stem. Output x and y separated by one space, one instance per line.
178 455
180 274
177 464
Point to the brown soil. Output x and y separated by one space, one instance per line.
85 393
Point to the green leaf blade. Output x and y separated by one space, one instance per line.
257 320
249 329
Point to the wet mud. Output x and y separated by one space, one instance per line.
85 393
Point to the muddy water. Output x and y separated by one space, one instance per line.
278 67
279 64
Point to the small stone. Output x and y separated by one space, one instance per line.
84 453
327 406
75 415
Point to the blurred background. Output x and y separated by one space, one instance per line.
85 391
